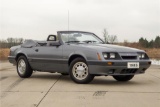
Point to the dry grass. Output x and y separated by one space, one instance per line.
153 53
4 54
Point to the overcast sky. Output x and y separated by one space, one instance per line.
36 19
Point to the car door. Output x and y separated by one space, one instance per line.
47 58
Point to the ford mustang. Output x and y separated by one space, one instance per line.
82 55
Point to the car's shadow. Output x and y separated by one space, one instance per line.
97 80
106 81
48 76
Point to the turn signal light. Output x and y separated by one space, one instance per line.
99 57
109 63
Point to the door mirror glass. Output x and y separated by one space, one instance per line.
51 38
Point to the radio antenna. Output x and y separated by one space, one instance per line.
68 27
68 20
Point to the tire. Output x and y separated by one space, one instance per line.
23 68
82 76
64 74
123 77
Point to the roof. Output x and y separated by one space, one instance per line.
72 31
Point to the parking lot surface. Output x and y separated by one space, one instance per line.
55 90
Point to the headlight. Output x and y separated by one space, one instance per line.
141 55
112 55
105 55
109 55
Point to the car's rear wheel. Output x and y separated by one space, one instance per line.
79 71
23 68
123 77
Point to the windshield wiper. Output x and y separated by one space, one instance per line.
89 41
72 42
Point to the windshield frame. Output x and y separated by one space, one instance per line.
60 38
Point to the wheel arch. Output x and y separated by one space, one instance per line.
20 54
74 56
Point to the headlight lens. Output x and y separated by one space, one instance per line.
105 55
109 55
112 55
141 55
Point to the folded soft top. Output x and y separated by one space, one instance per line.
29 44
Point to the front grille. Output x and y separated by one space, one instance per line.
128 71
129 57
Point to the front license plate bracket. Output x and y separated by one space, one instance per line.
133 65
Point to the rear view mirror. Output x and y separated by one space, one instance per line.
51 38
77 35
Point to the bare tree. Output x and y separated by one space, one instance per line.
9 42
106 36
113 39
109 38
125 42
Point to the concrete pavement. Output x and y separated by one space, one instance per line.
55 90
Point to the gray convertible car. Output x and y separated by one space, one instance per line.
82 55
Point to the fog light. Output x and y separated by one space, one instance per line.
111 71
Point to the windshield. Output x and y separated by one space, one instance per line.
80 37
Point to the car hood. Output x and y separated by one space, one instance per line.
113 48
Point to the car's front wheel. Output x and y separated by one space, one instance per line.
23 68
123 77
79 71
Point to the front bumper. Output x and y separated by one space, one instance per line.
12 59
119 67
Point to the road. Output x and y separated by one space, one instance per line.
55 90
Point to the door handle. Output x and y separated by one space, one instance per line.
36 50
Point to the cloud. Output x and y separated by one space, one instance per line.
36 19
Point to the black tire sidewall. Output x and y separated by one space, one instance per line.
28 71
89 77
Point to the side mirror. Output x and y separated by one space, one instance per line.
51 38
